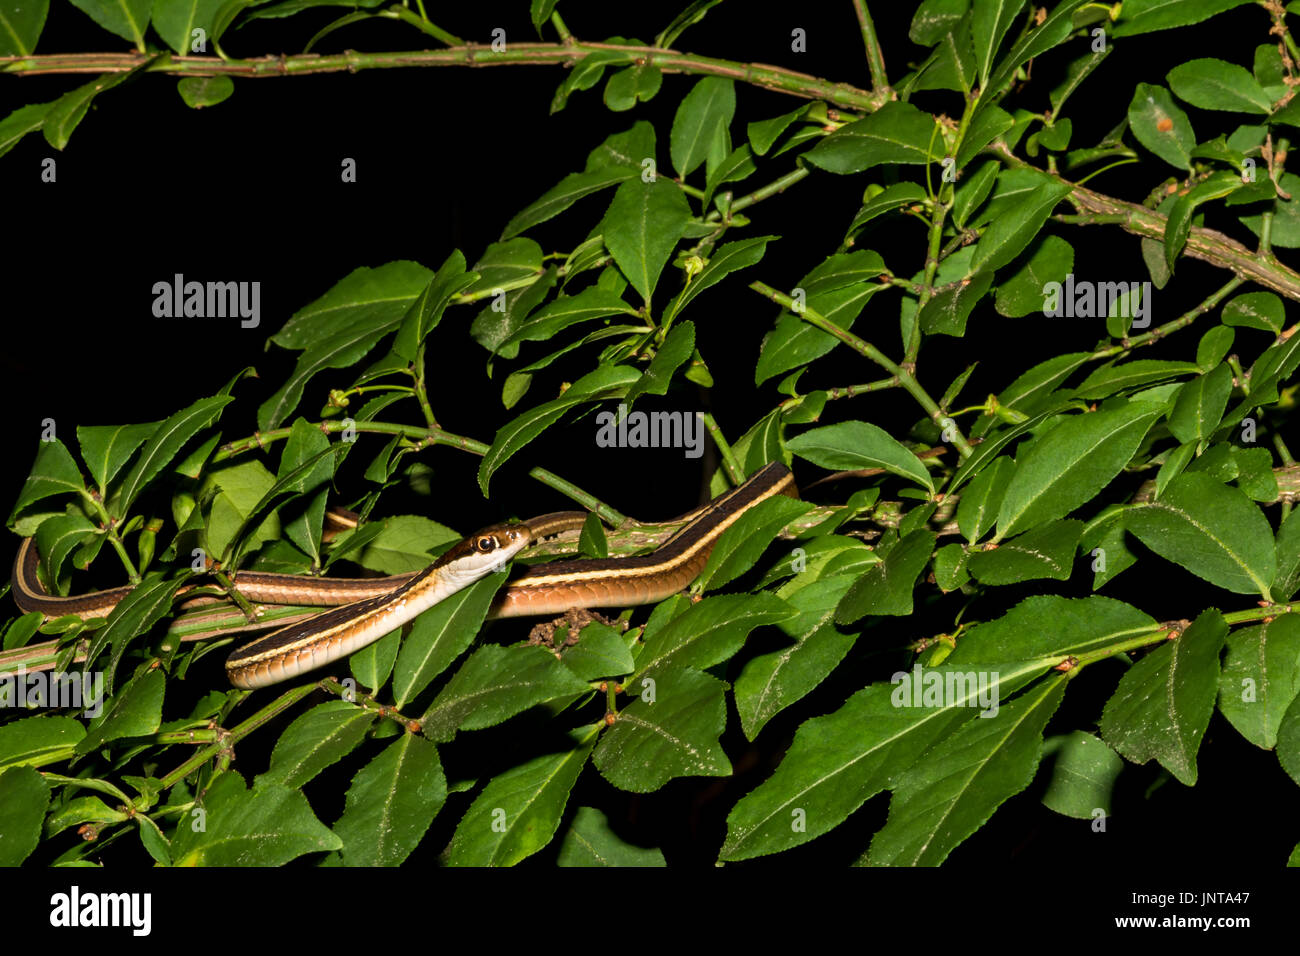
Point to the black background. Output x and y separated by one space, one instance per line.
250 190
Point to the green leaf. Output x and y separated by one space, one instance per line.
1081 773
339 328
616 160
265 826
391 803
946 313
606 381
439 636
1214 531
403 543
1013 230
56 538
1145 16
600 652
1161 126
1199 407
106 448
315 740
763 133
165 444
1261 678
704 112
68 110
20 28
494 684
794 342
742 544
1070 464
1287 581
666 733
1163 702
852 445
990 21
1054 29
1219 85
708 632
590 841
977 508
897 133
771 682
886 588
633 83
728 258
125 18
971 194
1049 626
1021 293
26 796
372 664
641 227
553 318
839 761
38 740
1255 310
24 120
133 616
953 790
676 350
54 472
424 314
890 198
1106 381
1214 345
134 712
934 19
1046 551
175 21
519 810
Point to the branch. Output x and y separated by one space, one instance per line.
875 56
471 54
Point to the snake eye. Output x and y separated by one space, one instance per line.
486 544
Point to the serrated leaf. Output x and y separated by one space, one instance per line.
852 445
391 802
676 735
1261 678
315 740
742 544
839 761
1070 464
519 810
886 588
1145 16
641 228
590 841
897 133
26 795
704 111
494 684
953 790
1214 84
1199 407
1013 230
265 826
1163 702
1081 773
709 632
1046 551
1161 126
1214 531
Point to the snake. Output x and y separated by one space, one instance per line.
362 610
